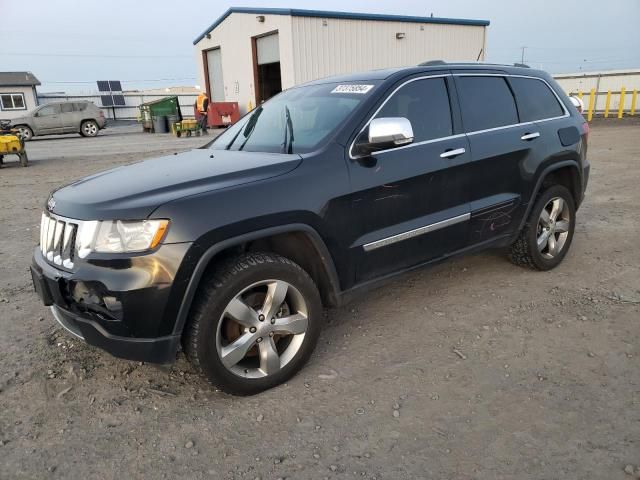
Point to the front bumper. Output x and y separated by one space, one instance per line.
127 307
154 350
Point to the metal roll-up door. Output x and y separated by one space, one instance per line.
216 83
268 49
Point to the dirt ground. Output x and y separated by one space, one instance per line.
473 369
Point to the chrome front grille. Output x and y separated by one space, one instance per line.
57 240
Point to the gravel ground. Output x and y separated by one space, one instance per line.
473 369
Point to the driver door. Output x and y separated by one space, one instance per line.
47 120
412 202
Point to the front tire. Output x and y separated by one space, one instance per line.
25 132
89 128
254 323
546 237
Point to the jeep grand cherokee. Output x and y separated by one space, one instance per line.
231 251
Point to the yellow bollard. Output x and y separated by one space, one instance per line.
580 94
592 101
607 104
250 106
621 106
634 97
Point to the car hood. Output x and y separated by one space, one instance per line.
135 191
20 120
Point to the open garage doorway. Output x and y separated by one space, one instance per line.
266 66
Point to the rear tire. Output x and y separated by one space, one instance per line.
546 237
89 128
254 323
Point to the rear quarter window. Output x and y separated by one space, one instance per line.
486 102
81 106
535 99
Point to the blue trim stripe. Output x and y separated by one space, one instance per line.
295 12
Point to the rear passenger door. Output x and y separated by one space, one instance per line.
410 203
501 150
67 118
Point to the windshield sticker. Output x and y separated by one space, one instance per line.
361 89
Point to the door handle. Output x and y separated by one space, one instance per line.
452 153
530 136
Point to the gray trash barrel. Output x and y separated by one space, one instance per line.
171 119
160 124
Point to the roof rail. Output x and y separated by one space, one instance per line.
432 62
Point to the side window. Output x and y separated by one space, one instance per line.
12 101
49 110
426 104
486 102
535 100
66 107
80 107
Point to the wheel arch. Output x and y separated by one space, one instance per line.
25 124
299 242
565 173
88 119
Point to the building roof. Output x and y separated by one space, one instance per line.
296 12
18 79
385 73
602 73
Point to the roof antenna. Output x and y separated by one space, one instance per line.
479 54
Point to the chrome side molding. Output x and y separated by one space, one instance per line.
415 232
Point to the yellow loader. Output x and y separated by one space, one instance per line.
11 143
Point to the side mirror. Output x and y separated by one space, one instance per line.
385 133
578 103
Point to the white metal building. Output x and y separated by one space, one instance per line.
250 54
17 94
602 82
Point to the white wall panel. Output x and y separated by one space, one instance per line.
29 99
602 82
324 47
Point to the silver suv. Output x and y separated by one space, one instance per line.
81 117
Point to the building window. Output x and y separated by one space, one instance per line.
12 101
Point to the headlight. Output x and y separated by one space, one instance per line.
118 236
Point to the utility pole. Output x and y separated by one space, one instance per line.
522 56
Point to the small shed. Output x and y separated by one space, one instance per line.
17 94
250 54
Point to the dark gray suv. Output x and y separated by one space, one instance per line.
81 117
230 251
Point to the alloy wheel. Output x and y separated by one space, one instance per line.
262 329
24 133
90 129
553 227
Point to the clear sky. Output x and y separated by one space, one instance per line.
69 44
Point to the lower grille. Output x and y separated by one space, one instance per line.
57 240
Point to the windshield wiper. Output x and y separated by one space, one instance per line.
288 133
247 130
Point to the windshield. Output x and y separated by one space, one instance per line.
295 121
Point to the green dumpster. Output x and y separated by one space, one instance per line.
163 107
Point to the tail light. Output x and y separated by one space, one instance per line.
585 131
101 114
